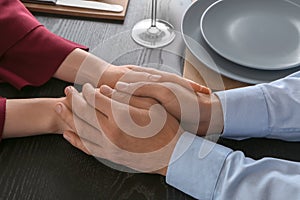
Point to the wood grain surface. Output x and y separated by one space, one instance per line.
47 167
198 72
81 12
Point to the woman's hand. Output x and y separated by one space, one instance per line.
142 74
199 113
81 67
141 135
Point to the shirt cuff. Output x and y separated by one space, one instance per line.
242 108
195 166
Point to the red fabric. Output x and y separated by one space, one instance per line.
34 59
15 22
29 53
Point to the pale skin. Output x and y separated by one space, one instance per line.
98 133
37 116
182 104
93 132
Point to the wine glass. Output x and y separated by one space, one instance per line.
153 33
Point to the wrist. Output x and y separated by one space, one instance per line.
217 120
81 67
55 125
162 171
112 75
168 152
26 117
43 112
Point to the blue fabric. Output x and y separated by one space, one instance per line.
207 171
266 110
195 166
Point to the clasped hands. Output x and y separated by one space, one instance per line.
137 119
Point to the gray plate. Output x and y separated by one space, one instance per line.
201 50
263 34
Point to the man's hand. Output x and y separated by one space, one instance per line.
197 112
131 74
141 135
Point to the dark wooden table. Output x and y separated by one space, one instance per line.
47 167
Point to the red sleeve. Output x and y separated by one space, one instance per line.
34 59
30 54
15 22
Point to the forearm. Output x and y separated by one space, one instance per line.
26 117
81 67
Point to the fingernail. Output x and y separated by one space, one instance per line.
105 90
155 77
122 85
68 90
58 108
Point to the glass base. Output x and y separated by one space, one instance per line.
153 37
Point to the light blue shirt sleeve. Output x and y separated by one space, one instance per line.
266 110
207 171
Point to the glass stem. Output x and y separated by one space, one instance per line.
153 15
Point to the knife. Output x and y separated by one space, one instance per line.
95 5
